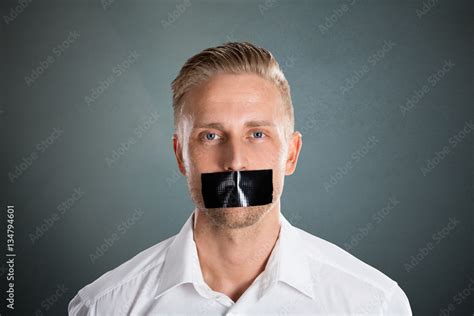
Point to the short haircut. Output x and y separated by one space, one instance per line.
232 58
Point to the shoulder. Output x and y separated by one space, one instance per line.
334 260
142 266
353 280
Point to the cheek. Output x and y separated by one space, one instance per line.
278 166
197 155
270 155
200 160
194 188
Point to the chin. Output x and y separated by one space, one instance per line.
237 217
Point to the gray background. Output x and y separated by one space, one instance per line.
321 45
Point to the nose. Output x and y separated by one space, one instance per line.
235 156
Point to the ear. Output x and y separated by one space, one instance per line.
178 152
294 148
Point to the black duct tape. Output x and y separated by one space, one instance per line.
237 188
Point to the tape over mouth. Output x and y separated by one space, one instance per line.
237 188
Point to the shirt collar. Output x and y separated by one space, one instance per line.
295 269
288 262
181 263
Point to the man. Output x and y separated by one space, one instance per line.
235 142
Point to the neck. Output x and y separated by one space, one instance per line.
231 259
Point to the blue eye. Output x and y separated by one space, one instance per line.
258 134
210 136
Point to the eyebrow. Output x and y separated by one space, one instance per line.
220 126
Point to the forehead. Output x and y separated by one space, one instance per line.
234 96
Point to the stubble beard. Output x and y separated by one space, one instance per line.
236 217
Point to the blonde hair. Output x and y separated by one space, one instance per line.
234 58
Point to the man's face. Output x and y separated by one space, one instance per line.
235 122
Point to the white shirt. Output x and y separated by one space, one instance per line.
305 275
